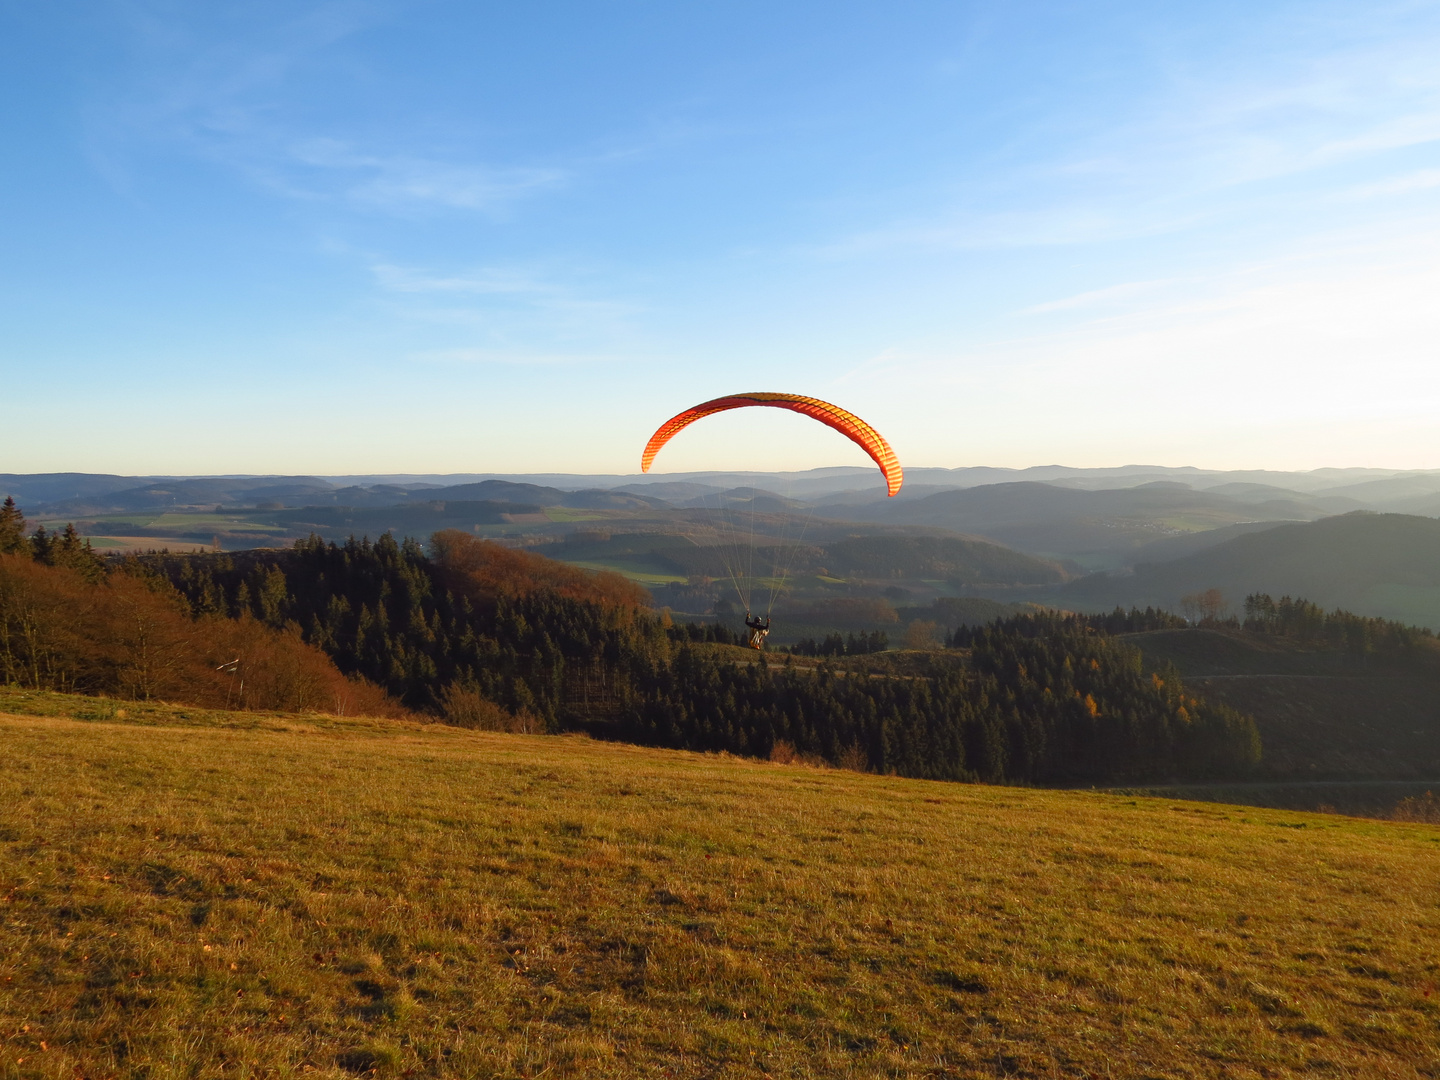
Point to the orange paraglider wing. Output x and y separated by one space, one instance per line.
847 423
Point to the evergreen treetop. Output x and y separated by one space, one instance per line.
12 529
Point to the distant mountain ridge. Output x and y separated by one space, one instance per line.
1370 488
1155 536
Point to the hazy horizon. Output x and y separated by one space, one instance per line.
915 473
659 475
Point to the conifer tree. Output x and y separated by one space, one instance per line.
41 545
70 549
12 529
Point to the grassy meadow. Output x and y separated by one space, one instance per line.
196 893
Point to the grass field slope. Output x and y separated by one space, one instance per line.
197 893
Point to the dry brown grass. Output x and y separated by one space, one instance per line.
192 893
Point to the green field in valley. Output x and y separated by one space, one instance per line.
198 893
648 572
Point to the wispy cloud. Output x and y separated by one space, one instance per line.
1420 180
1279 335
526 316
565 299
484 281
226 102
483 357
1264 127
888 359
977 230
1111 296
399 180
1319 358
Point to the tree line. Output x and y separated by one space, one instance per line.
1300 620
1034 699
852 644
66 548
478 634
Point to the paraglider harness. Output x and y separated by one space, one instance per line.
758 629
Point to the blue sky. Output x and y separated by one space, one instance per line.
429 237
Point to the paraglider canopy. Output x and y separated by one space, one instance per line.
847 423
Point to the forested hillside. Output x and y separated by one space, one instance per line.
1335 696
484 635
1104 528
1049 702
1043 702
1381 565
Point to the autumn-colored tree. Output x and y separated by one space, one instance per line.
922 634
132 635
1204 606
499 572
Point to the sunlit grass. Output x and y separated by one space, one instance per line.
636 569
231 522
116 544
117 524
200 893
565 513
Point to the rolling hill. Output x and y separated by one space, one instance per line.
1098 529
1162 528
1386 565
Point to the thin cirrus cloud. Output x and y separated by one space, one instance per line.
224 103
477 357
399 181
1110 296
1419 180
173 83
1199 147
982 229
484 281
1292 111
1284 335
512 315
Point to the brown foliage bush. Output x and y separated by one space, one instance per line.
1422 808
922 634
126 635
854 759
783 752
278 670
464 706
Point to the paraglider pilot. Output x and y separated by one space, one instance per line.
758 629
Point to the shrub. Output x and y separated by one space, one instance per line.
464 706
130 635
1422 808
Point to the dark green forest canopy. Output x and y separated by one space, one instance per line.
1044 700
